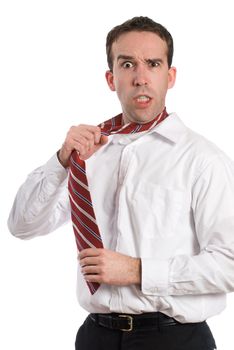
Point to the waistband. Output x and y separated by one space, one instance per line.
129 322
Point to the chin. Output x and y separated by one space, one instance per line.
144 118
136 118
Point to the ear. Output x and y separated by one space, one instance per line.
171 77
110 80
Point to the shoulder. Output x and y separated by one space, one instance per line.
197 151
204 154
196 143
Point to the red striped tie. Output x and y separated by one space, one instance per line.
83 217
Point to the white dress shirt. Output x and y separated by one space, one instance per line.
165 196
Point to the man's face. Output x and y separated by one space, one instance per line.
140 75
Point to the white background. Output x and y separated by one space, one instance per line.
52 66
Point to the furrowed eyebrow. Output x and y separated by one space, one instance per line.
148 60
154 60
124 57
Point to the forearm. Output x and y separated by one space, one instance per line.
41 204
106 266
135 271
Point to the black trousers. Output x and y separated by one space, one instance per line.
195 336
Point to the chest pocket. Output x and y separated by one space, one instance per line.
156 210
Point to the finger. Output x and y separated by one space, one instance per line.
86 138
74 146
81 142
93 260
90 270
92 138
83 130
97 136
85 149
91 128
93 278
89 252
87 145
72 141
80 148
93 132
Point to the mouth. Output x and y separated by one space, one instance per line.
142 100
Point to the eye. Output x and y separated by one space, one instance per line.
127 64
153 63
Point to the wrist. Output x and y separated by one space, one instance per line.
136 266
62 160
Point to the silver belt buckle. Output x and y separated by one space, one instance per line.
130 323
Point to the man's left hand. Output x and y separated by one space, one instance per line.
106 266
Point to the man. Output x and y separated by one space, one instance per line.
163 200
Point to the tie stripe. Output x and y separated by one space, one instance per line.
81 210
79 168
78 181
81 196
84 221
88 232
81 239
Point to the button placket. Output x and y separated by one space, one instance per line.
124 164
123 173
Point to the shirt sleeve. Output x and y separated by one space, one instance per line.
212 270
41 204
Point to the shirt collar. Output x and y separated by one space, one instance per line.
171 128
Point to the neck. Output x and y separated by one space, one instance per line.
127 120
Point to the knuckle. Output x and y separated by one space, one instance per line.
89 269
84 261
102 271
72 129
84 269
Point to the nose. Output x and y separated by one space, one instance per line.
140 76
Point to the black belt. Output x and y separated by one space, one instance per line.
129 322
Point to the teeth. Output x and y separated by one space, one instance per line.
143 98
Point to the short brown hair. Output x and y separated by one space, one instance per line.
140 24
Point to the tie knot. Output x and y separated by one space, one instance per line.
115 125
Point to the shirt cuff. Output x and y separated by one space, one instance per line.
54 168
154 276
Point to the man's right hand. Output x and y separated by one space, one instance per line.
86 139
